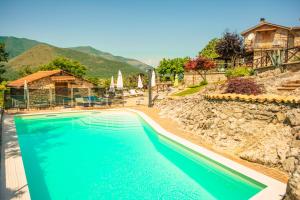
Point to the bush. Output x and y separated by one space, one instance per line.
239 72
243 86
204 82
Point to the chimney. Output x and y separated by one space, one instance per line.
262 20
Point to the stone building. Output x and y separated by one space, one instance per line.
266 37
50 86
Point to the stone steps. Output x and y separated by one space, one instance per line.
289 85
294 82
287 88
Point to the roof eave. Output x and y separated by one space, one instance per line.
261 24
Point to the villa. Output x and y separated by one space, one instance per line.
265 37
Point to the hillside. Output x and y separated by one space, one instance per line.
16 46
24 52
108 56
42 54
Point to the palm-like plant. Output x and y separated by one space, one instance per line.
277 59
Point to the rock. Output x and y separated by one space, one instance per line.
261 133
294 151
280 117
289 164
296 144
293 117
297 136
293 186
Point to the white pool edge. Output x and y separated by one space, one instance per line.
275 189
13 178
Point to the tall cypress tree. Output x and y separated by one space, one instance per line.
3 59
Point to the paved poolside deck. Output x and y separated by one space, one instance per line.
13 179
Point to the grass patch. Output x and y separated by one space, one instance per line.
191 90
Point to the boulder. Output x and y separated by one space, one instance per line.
293 117
293 186
289 164
280 117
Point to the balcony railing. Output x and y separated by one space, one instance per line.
271 45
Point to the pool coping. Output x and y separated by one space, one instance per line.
17 180
274 190
13 179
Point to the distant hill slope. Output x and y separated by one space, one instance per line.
16 46
109 56
43 54
24 52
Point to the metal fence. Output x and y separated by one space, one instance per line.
19 98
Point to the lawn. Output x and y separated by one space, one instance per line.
189 91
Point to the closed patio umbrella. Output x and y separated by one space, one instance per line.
26 94
112 85
176 81
120 81
153 79
140 83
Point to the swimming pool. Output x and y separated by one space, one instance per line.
117 155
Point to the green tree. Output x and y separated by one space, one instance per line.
27 70
131 81
94 80
209 51
171 67
68 65
3 59
104 83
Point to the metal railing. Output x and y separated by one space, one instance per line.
18 98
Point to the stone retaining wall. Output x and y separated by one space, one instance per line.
194 79
264 133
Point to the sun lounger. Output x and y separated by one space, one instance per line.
41 104
119 101
82 101
140 93
19 104
126 94
132 92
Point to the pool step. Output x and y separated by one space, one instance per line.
110 124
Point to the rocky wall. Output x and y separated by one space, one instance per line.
258 132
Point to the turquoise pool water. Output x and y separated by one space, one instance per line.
116 155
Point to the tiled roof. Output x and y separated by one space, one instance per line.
265 23
263 98
32 77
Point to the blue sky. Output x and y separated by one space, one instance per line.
146 30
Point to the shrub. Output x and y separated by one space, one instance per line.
243 86
239 72
204 82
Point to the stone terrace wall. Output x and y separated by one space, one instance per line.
293 186
194 79
263 133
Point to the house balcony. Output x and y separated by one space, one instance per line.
265 46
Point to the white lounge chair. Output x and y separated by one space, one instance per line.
140 93
126 94
132 92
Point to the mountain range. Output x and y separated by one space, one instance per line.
25 52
